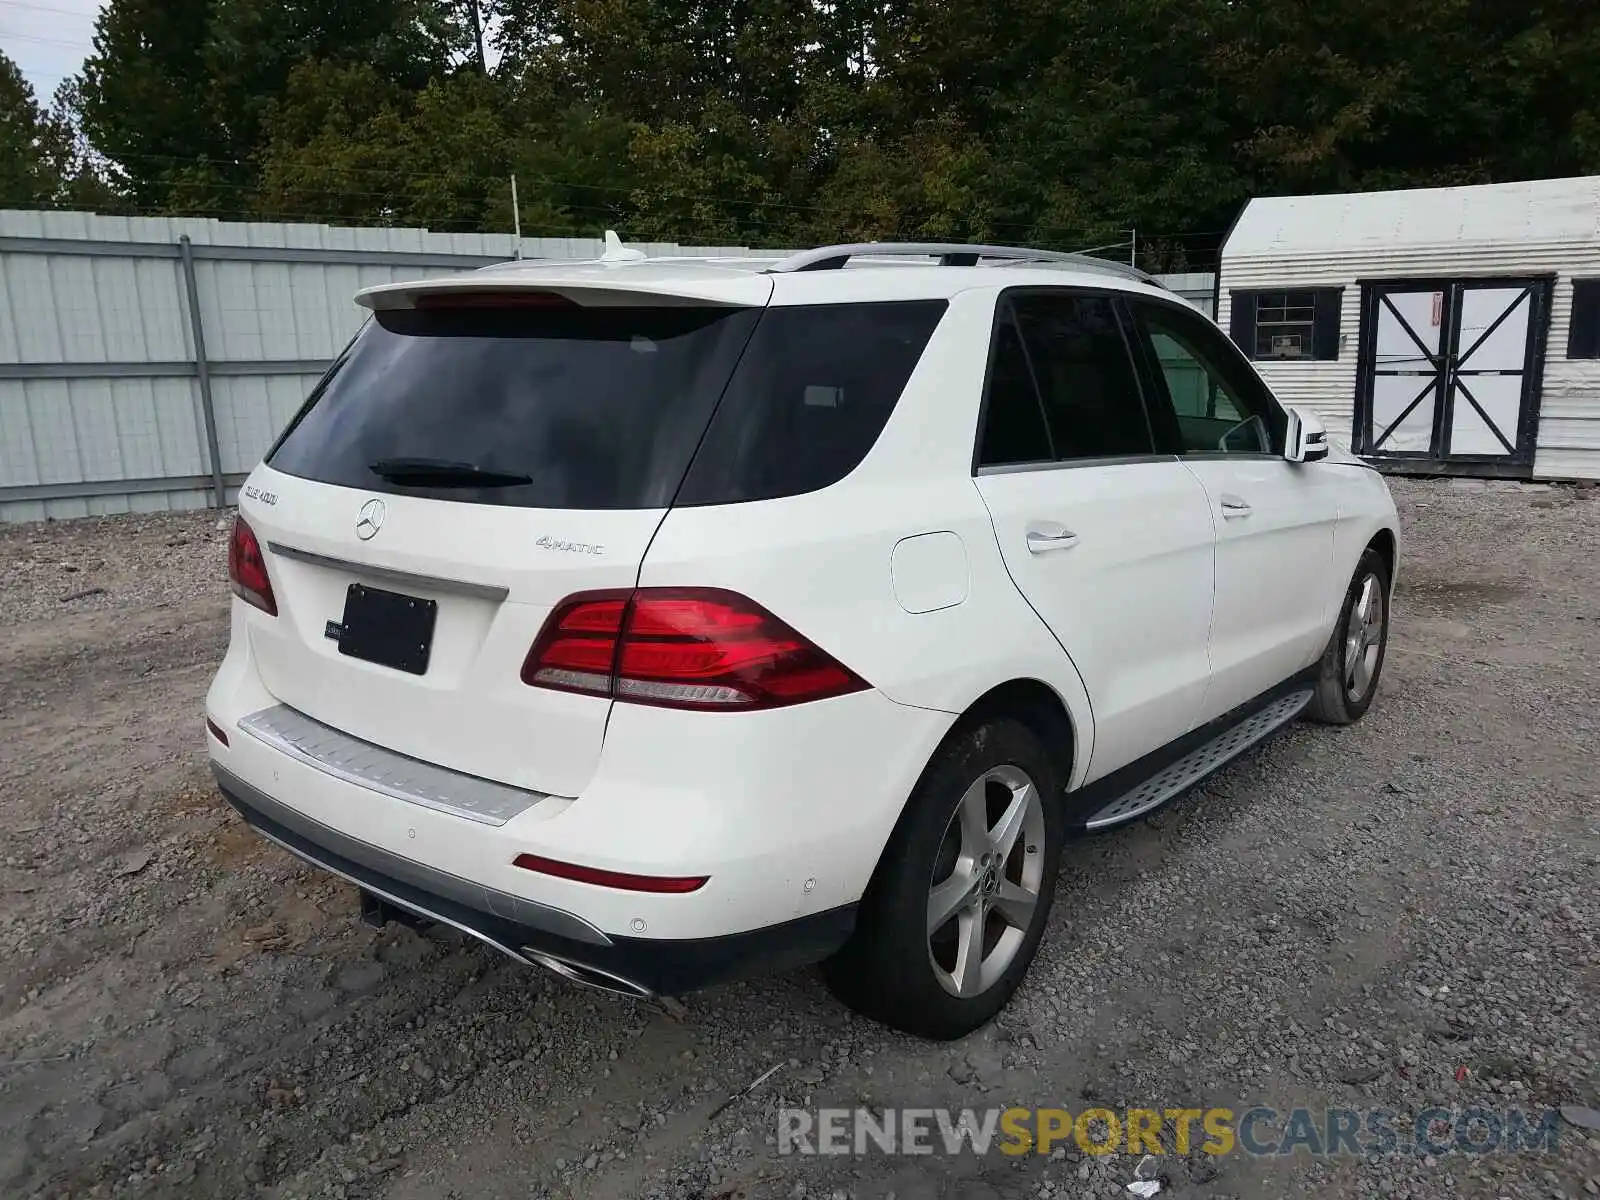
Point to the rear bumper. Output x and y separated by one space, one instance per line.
531 932
785 812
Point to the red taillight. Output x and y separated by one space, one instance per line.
247 569
216 731
664 884
698 648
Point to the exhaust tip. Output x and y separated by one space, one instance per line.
588 976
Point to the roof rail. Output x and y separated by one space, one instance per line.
950 254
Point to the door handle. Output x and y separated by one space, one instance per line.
1046 538
1235 506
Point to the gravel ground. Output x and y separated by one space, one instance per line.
1400 915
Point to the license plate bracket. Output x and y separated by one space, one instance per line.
389 629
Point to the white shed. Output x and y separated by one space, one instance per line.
1438 330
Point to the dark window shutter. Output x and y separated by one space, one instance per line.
1583 338
1325 323
1242 321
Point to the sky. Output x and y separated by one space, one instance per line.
47 39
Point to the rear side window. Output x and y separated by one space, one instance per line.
1013 423
1085 374
811 394
1062 384
565 407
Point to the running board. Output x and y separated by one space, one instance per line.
1200 762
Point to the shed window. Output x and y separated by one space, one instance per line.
1285 324
1583 339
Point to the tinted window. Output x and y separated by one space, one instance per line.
580 407
1086 378
811 394
1214 407
1013 423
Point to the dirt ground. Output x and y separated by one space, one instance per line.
1401 915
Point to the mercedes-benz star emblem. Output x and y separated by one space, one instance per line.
371 519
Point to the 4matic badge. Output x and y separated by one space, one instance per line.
561 544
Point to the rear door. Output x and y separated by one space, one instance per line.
460 471
1275 519
1109 541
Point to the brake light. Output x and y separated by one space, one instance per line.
247 569
502 299
695 648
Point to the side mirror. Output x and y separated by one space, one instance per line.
1307 441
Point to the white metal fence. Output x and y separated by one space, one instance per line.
146 363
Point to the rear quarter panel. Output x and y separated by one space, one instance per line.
821 561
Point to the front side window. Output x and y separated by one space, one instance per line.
1211 405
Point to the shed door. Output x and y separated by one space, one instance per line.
1449 373
1487 380
1407 371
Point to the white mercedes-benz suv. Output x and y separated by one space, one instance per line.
660 621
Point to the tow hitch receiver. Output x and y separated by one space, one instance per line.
378 912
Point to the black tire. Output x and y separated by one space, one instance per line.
1336 701
890 970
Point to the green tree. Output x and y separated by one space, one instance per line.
179 95
1059 122
26 172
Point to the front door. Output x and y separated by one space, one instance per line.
1449 372
1274 520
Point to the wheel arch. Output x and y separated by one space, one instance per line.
1030 701
1386 546
1036 705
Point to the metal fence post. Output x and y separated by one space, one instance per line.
203 368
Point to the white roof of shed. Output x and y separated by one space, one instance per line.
1541 210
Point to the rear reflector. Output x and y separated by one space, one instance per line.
696 648
247 569
216 731
621 880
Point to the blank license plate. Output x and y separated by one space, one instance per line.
388 628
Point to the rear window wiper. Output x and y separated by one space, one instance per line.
439 472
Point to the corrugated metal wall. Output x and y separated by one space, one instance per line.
101 407
1569 414
1569 422
100 399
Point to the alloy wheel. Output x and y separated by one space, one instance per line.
986 881
1363 641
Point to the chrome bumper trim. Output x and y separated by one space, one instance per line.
395 775
431 583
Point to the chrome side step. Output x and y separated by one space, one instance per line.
1199 762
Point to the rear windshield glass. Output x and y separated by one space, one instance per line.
538 408
810 397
